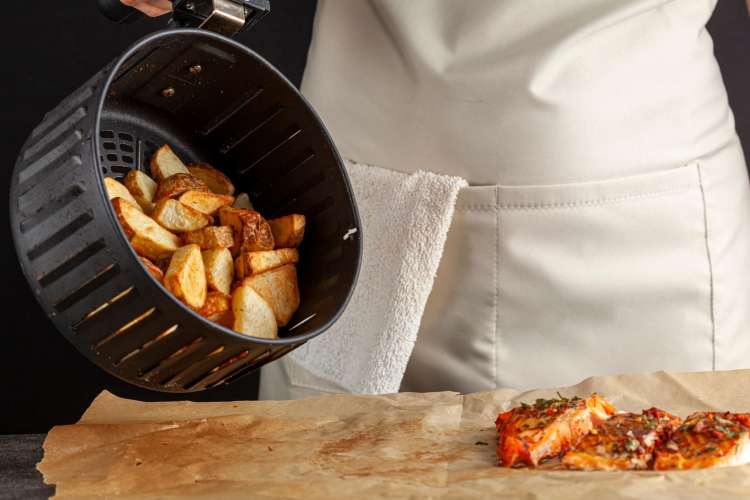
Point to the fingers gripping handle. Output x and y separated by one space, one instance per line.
116 11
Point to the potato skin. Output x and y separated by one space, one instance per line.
214 178
177 184
288 231
251 230
210 237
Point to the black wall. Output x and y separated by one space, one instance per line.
51 47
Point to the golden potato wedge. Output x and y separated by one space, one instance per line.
147 237
288 231
250 230
143 189
210 237
206 203
177 217
115 189
218 308
177 184
243 201
165 163
186 276
219 269
249 263
152 269
214 179
279 288
252 314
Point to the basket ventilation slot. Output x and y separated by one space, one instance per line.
48 162
61 235
51 208
233 143
54 134
232 110
127 326
70 264
148 344
84 290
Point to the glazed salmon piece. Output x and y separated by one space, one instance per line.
625 441
706 440
533 432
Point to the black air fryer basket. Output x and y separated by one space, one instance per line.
212 100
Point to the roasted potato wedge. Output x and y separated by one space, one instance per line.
288 231
165 163
279 288
148 238
218 308
214 179
249 263
219 269
251 231
206 203
152 269
143 189
252 314
177 184
115 189
186 276
210 237
243 201
177 217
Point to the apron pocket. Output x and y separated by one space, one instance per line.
603 277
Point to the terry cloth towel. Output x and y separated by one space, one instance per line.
405 221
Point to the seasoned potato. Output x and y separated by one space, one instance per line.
252 314
288 231
243 201
143 189
279 288
177 217
152 269
210 237
249 263
116 190
177 184
214 179
186 276
251 231
165 163
218 308
206 203
148 238
219 269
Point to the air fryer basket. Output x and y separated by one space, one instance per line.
212 100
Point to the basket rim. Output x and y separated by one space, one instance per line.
96 152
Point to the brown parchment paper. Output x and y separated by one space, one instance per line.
436 445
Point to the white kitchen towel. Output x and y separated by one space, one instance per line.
405 221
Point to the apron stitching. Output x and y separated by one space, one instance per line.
496 284
710 268
594 202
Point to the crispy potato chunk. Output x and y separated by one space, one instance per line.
279 288
218 308
214 179
177 217
186 276
243 201
206 203
116 190
252 314
143 189
165 163
219 269
148 238
249 263
152 269
288 231
210 237
177 184
251 231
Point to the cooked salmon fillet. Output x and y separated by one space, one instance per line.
625 441
705 440
530 433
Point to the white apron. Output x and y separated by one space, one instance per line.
607 228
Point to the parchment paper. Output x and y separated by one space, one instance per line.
436 445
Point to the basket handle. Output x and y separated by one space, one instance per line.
227 17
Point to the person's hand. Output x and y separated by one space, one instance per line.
152 8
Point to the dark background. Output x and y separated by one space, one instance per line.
51 48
